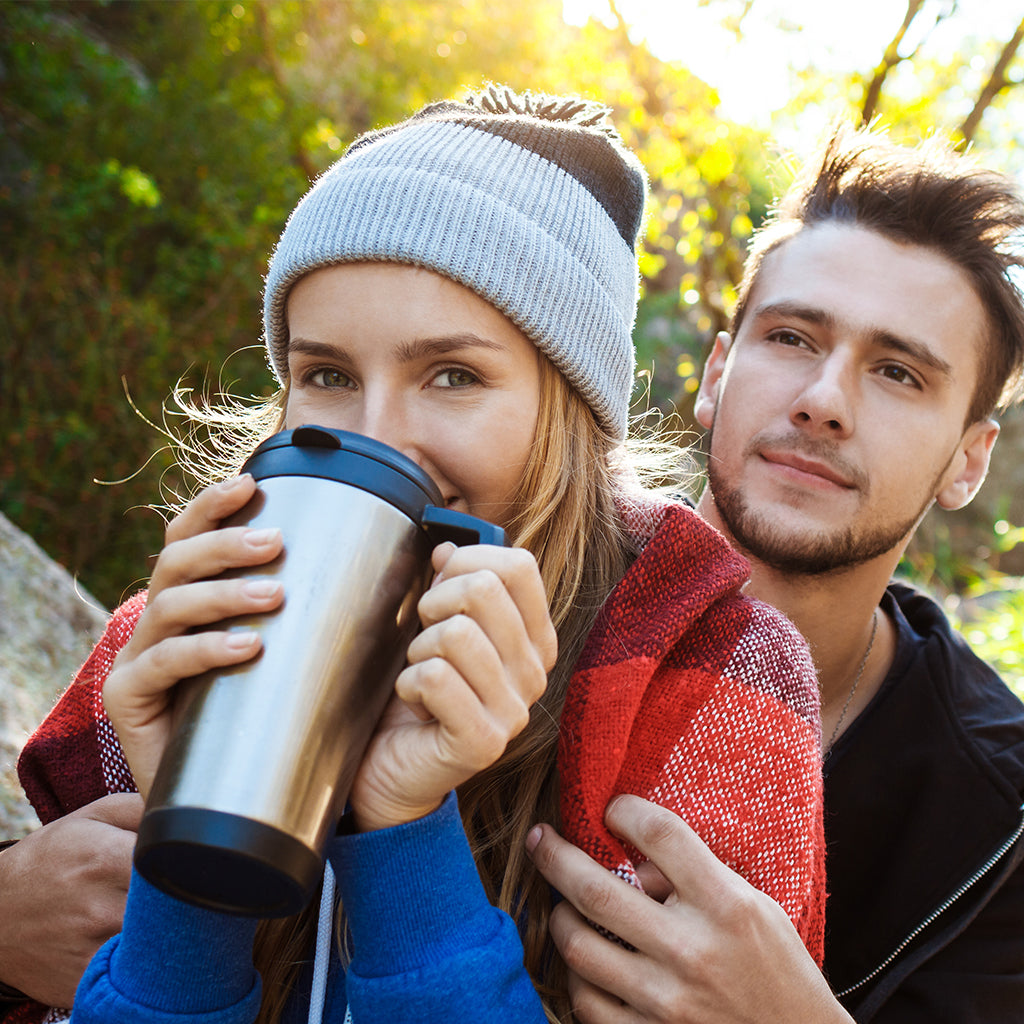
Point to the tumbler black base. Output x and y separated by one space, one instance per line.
226 862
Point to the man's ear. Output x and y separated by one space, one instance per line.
967 471
707 395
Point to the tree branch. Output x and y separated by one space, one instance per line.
890 59
997 83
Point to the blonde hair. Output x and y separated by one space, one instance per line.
564 512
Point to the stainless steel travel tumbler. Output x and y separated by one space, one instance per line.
263 755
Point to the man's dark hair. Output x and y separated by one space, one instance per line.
928 196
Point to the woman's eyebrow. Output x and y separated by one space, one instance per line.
407 351
440 345
306 347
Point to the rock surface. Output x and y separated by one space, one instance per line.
48 625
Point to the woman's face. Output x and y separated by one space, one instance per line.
410 358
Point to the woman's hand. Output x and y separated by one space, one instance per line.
473 672
138 693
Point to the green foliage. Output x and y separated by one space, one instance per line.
984 604
991 618
150 156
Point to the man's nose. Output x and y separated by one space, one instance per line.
827 397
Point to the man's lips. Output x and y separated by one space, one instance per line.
804 467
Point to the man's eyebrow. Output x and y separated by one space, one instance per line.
916 351
913 349
795 311
408 351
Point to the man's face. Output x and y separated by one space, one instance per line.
837 413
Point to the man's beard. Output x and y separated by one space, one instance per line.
757 536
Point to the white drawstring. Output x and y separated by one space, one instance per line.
322 960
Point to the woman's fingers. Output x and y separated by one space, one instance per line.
135 692
477 666
208 509
464 615
172 640
192 602
459 680
208 554
137 697
473 672
463 586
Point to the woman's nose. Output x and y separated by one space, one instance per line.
386 419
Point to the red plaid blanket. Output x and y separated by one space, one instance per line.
705 702
687 693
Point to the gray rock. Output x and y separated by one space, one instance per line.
48 625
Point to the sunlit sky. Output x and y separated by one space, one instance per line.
751 75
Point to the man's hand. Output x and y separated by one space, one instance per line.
62 895
708 948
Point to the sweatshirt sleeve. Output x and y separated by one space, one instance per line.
427 944
172 963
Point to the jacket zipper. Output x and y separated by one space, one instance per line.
941 908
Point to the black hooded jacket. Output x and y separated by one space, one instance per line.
924 825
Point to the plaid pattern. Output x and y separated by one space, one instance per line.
74 757
687 694
706 702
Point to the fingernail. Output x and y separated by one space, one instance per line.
261 590
533 838
243 641
235 481
261 538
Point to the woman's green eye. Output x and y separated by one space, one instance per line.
454 378
331 379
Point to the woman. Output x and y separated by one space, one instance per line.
462 286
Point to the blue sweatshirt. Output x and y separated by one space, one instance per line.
427 945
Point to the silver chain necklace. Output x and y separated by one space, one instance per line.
856 682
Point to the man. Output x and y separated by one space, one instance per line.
876 332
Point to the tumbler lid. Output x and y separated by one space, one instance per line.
349 458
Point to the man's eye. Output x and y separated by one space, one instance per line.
454 377
899 374
787 338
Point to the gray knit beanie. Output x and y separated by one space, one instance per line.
531 201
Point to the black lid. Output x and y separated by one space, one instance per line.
349 458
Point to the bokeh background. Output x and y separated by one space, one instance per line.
151 151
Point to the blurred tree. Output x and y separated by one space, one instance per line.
709 184
998 80
149 154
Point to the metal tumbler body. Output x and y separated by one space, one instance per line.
263 754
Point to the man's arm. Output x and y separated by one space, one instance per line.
714 951
62 894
